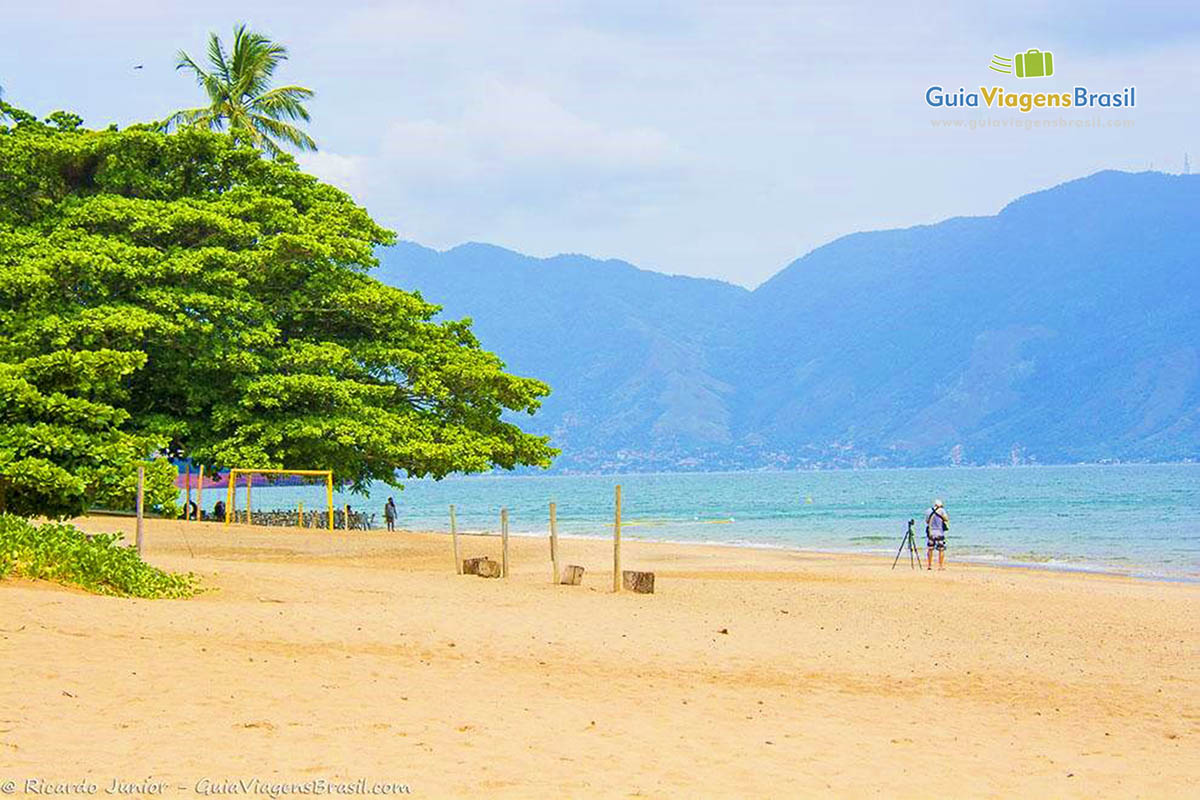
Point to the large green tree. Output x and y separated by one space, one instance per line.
240 96
218 304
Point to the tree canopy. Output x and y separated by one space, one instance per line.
177 292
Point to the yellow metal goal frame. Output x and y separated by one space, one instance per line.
233 473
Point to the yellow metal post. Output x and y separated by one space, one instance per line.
329 498
231 495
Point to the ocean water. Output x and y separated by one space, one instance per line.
1133 519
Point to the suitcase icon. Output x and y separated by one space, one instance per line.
1034 64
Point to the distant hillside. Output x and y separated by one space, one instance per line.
626 351
1064 328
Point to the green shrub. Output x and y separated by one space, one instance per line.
98 563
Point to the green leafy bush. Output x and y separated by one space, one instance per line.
98 563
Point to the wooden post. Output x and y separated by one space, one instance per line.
329 498
454 538
141 487
300 514
554 579
249 480
187 503
229 496
504 543
617 542
200 496
346 511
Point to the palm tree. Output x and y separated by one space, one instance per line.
240 97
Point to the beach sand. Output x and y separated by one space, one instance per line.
750 673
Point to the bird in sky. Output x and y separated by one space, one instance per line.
137 66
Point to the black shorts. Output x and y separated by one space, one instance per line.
935 542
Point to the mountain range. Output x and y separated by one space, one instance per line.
1065 328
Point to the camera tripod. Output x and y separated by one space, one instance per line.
914 556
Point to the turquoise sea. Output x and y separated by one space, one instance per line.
1134 519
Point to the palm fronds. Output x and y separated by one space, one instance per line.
240 97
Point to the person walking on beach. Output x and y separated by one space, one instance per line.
937 522
389 514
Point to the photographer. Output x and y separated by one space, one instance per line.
937 522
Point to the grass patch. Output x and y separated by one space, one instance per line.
98 563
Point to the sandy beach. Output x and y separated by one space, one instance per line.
749 673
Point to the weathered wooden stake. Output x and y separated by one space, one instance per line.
200 496
141 488
300 514
554 544
572 575
249 519
346 511
454 538
504 543
617 542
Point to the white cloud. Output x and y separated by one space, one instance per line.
506 129
348 173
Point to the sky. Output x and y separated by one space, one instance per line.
719 140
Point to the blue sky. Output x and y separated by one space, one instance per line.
712 139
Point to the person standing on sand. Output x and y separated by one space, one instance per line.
937 522
389 514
